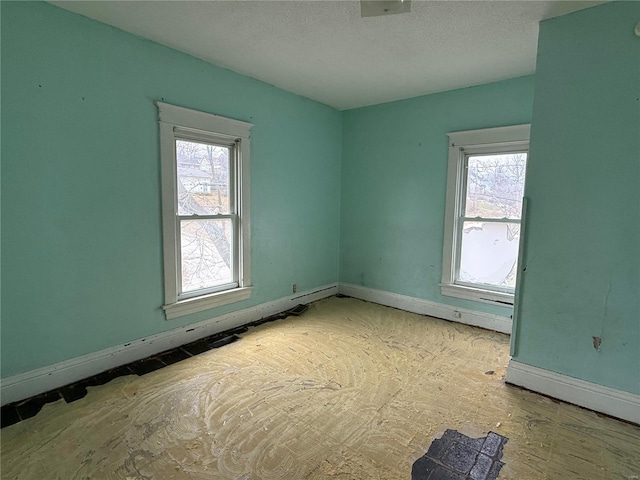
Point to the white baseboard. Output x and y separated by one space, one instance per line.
43 379
426 307
602 399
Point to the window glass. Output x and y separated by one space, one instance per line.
484 209
489 254
205 209
206 253
495 185
203 178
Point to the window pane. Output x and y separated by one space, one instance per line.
489 253
206 253
203 178
495 185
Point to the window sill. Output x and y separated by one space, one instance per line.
205 302
477 294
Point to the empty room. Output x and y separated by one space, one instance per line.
320 239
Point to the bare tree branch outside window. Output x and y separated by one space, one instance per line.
203 189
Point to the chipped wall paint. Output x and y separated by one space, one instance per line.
580 294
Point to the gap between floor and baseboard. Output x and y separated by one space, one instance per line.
612 402
609 401
34 382
48 378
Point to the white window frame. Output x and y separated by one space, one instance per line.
461 145
178 123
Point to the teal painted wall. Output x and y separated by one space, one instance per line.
81 236
583 233
394 178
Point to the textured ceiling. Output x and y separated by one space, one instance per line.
326 51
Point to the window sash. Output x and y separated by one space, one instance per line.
178 123
234 160
464 177
461 206
462 145
458 256
235 256
206 138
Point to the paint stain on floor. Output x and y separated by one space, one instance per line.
348 390
458 457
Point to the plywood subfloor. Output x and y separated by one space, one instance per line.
349 390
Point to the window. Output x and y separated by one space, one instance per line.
205 209
485 188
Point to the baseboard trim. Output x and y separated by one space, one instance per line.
426 307
616 403
47 378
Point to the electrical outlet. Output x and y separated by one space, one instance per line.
457 314
294 288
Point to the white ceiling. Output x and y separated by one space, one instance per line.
326 51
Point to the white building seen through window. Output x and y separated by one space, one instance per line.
485 189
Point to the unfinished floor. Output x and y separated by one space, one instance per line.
349 390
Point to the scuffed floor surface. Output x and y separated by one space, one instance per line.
349 390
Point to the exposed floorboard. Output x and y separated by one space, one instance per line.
348 390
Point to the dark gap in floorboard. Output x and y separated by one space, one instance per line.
196 348
17 411
237 331
298 310
147 365
30 407
224 341
77 390
107 376
74 391
8 416
173 356
455 456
